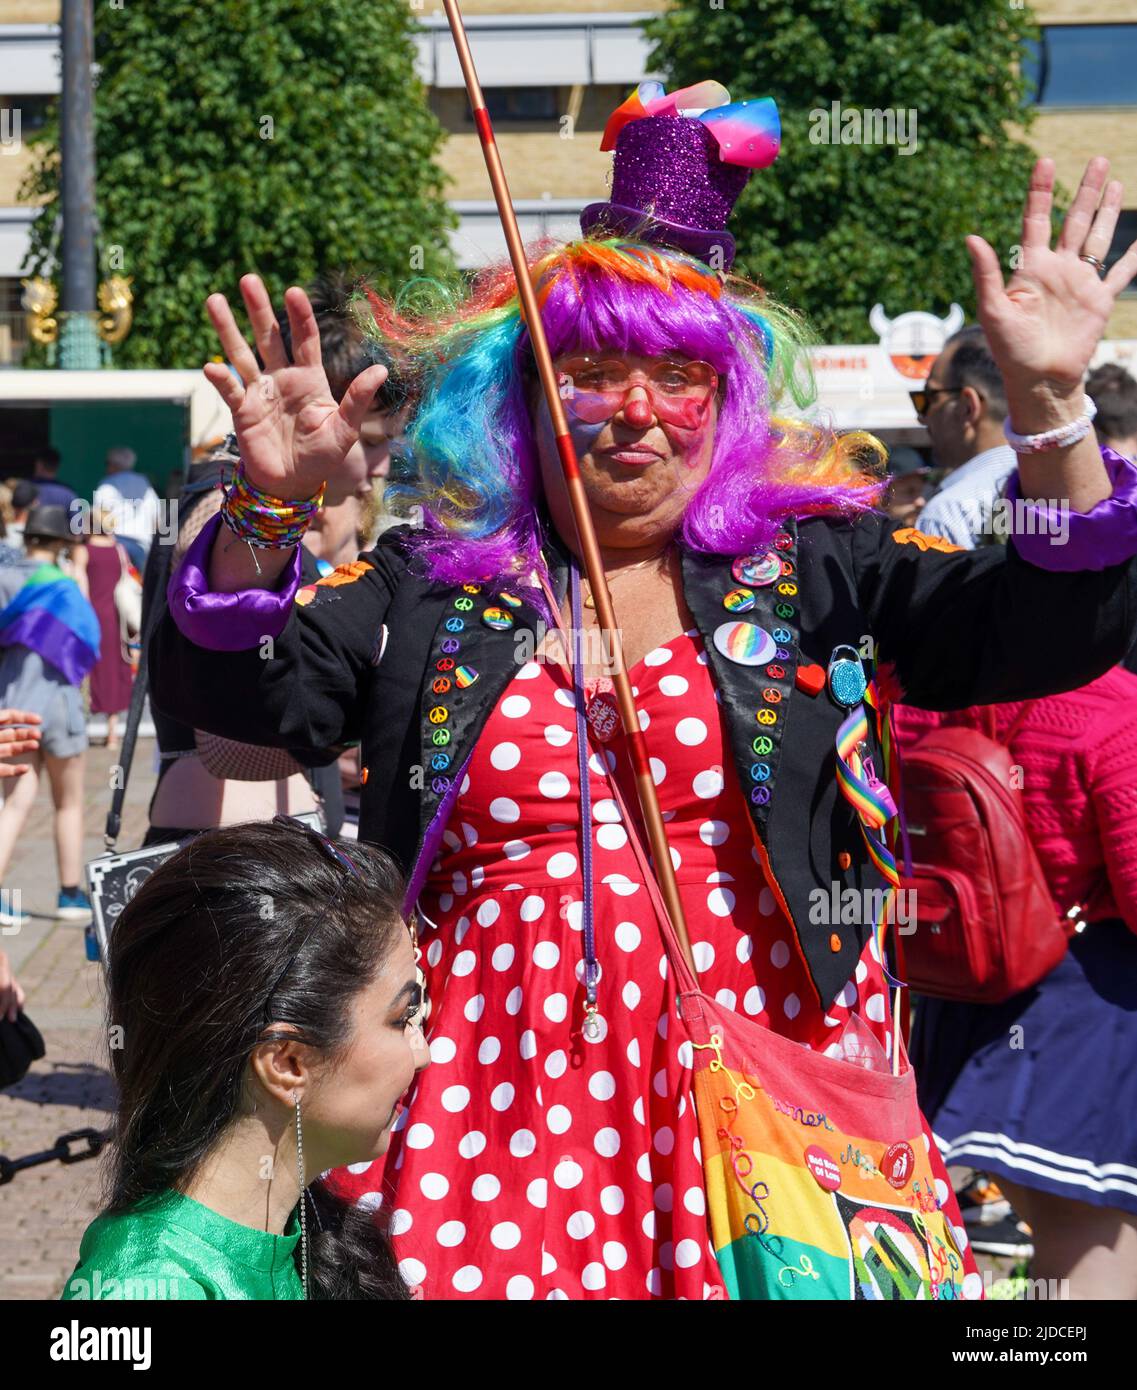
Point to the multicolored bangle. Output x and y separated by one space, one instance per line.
272 523
1060 438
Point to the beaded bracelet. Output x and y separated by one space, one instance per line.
272 523
1060 438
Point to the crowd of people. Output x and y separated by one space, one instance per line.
459 1015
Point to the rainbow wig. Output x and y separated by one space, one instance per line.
476 493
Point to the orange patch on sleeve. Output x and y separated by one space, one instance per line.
909 535
345 574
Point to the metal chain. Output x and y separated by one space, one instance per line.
94 1139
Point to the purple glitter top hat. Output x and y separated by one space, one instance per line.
676 177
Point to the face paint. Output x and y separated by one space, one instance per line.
582 434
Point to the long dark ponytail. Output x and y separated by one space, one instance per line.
238 916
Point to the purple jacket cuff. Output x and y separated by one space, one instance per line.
227 622
1056 538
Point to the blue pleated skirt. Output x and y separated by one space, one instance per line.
1042 1088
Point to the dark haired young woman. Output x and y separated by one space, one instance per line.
266 1011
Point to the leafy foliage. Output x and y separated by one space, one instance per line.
835 228
276 136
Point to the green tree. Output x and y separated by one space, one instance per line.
276 136
835 228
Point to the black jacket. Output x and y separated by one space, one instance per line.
958 627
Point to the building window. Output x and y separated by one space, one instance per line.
33 110
519 104
1123 239
1083 65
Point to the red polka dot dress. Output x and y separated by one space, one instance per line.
532 1162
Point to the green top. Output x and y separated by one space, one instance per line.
171 1247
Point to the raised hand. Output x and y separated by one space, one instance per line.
292 433
1045 323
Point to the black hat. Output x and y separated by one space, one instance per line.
48 523
904 461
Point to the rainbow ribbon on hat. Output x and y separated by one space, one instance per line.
873 803
748 132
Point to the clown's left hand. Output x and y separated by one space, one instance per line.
1045 323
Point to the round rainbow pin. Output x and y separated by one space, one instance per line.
739 601
759 569
500 619
746 643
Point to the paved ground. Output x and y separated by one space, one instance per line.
44 1211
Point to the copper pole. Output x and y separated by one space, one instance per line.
590 551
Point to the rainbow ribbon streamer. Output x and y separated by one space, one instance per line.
873 809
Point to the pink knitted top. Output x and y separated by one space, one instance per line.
1078 753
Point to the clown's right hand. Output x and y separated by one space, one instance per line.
292 433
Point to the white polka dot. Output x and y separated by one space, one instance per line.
554 785
960 1235
658 770
513 1001
556 1064
455 1098
546 954
654 1282
972 1286
502 957
695 1200
607 1142
634 1052
401 1222
564 697
464 963
767 903
532 908
505 757
557 736
523 1143
548 1264
556 1008
559 1119
615 1256
643 1169
501 1097
663 1140
360 1167
687 1253
519 1288
691 732
574 915
474 1007
861 972
721 901
686 1055
745 948
647 1225
673 685
620 884
663 1199
612 1200
468 1278
612 837
434 953
593 1276
489 1050
561 864
713 832
506 1235
451 1233
485 1188
628 936
630 994
779 955
942 1191
412 1271
477 876
458 880
602 1085
515 707
580 1225
445 901
461 928
792 1006
874 1008
528 1045
657 657
369 1201
754 1000
530 671
848 996
420 1137
472 1144
606 810
568 1174
537 1194
704 954
434 1186
707 784
504 811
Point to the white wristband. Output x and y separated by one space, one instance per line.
1060 438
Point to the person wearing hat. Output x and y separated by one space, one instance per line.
49 640
908 485
552 1151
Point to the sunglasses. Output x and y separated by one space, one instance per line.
594 388
920 399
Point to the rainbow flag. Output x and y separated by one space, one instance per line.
52 617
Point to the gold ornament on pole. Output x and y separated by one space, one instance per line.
115 300
40 299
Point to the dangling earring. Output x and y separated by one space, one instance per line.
303 1216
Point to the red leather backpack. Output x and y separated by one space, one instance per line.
985 924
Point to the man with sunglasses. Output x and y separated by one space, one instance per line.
963 407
